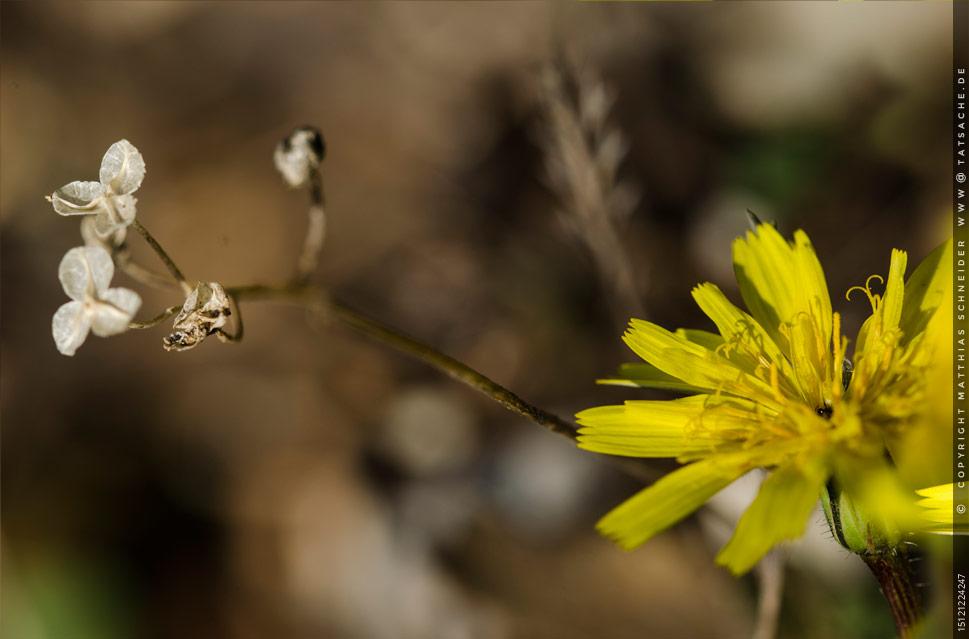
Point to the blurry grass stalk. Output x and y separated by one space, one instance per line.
770 582
582 157
583 153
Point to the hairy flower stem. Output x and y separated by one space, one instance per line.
884 554
335 312
893 571
452 367
177 274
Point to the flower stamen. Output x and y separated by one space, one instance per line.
873 298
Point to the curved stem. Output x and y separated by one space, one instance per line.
226 337
315 232
155 321
315 299
455 369
138 272
177 274
392 337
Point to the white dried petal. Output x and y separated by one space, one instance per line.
79 198
298 157
122 168
191 302
114 311
123 298
84 271
110 242
206 309
119 213
70 327
75 275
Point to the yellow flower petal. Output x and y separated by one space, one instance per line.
886 308
645 375
945 491
664 428
938 514
669 500
749 345
813 295
778 513
706 339
811 360
763 266
689 362
926 290
780 281
894 290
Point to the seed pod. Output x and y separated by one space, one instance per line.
205 311
298 156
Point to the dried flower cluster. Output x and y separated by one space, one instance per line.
108 209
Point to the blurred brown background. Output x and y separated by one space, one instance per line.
309 483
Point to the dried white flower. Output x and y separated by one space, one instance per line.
205 311
298 157
111 242
110 200
85 273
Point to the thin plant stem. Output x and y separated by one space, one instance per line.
177 274
138 272
455 369
316 300
307 295
237 337
893 571
155 321
392 337
315 232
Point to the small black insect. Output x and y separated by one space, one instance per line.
846 370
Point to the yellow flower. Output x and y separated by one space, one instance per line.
773 390
939 516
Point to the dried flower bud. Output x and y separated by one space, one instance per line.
298 157
205 311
